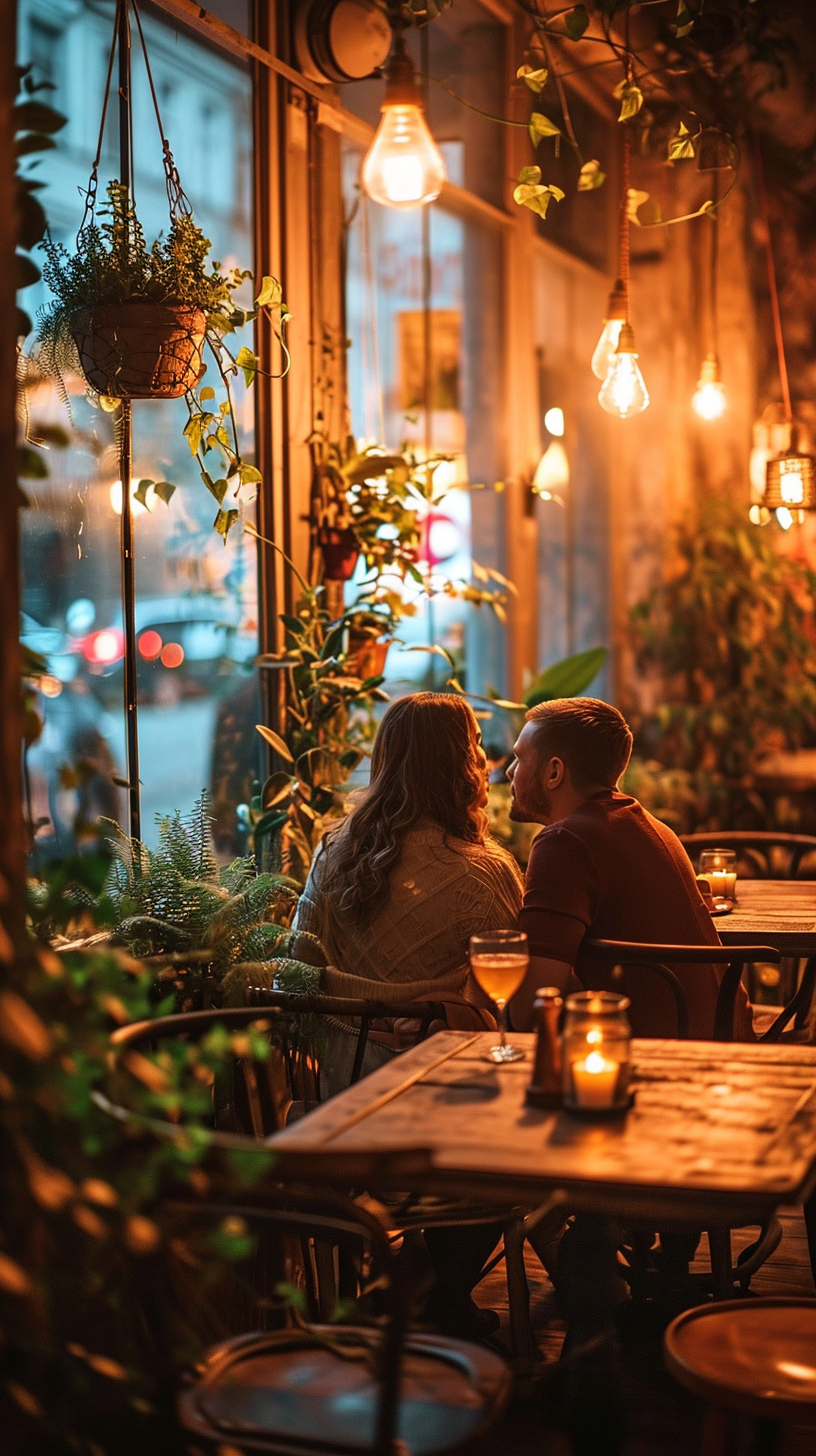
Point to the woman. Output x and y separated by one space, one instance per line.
395 893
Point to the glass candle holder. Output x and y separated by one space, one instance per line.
596 1052
719 866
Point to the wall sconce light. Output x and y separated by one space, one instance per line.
341 40
403 167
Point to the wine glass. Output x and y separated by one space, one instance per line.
499 961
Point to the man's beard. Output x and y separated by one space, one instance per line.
536 810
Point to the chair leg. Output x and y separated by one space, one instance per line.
718 1430
518 1297
722 1276
766 1437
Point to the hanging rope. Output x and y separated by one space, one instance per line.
772 288
623 224
177 199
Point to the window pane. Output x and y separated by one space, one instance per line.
196 608
384 293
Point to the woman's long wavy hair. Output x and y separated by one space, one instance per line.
425 765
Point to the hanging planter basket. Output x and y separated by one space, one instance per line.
340 550
140 350
367 658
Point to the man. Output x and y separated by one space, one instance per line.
603 868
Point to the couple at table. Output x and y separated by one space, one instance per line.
395 893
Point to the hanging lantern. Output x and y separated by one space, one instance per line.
790 481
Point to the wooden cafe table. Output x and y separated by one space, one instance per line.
781 913
719 1136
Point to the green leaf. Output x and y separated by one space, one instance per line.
683 21
217 488
140 493
248 363
576 22
164 490
224 522
681 144
566 679
33 142
530 176
271 294
541 126
537 198
207 393
276 787
31 463
631 99
36 116
249 474
26 272
32 222
635 200
193 430
275 741
536 80
591 177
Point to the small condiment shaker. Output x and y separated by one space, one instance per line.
545 1089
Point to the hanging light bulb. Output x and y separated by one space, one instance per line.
623 392
403 167
614 321
709 400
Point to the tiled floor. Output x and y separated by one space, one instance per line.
662 1418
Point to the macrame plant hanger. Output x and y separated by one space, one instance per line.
178 205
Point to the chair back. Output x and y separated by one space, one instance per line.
755 850
659 960
265 1092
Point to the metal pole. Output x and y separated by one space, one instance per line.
125 468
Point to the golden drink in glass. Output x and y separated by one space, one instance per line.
499 962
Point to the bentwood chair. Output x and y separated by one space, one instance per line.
764 854
621 956
747 1359
264 1093
325 1384
341 1388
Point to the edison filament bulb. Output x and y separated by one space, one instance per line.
623 392
403 167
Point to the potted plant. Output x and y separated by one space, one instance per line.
136 321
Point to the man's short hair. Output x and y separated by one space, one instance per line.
592 737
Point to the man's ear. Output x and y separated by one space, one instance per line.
554 773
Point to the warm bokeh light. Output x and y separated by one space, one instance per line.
50 686
709 400
137 509
150 645
104 647
554 421
552 472
172 655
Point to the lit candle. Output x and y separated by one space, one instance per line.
595 1079
723 884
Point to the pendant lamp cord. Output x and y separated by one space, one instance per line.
623 231
715 254
772 288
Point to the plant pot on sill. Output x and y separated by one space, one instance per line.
367 657
339 549
140 350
